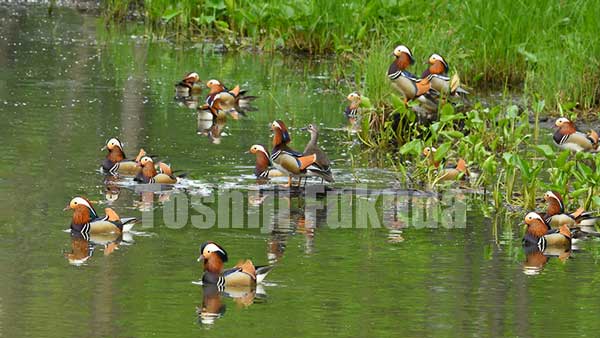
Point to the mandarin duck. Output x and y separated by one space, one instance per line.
245 273
86 221
539 233
263 169
116 163
437 73
567 137
188 86
150 175
555 214
353 111
451 172
429 153
287 160
221 100
408 84
322 163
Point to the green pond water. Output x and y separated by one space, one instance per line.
366 260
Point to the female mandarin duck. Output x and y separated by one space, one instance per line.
555 214
540 234
244 273
288 161
437 73
263 169
353 111
116 163
429 153
408 84
86 221
150 175
567 137
222 100
188 86
322 163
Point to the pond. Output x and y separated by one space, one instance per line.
366 257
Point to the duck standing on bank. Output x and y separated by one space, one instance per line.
245 273
408 84
86 221
567 137
437 73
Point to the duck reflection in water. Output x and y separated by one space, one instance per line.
213 304
83 246
210 127
535 260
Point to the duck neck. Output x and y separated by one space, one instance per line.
116 155
262 163
213 264
149 171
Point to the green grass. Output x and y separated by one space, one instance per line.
547 48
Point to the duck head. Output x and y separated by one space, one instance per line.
148 169
191 78
555 203
281 134
83 211
215 86
262 158
404 57
213 256
354 97
115 150
437 64
429 151
565 126
536 227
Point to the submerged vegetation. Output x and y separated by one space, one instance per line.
546 48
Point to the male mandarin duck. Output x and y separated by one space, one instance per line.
539 233
437 73
244 273
322 163
116 163
567 137
408 84
287 160
188 86
86 221
263 169
150 175
222 100
555 214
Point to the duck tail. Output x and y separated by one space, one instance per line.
262 272
128 223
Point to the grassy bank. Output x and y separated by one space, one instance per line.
547 48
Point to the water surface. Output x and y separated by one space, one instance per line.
432 264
